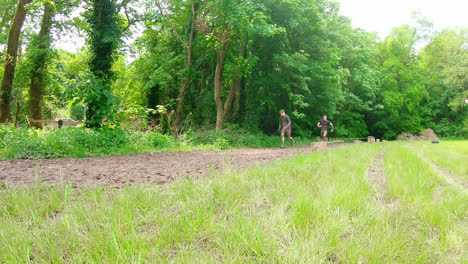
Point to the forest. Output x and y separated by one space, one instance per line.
176 66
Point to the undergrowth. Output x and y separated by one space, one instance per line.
82 142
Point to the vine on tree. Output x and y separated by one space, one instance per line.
104 39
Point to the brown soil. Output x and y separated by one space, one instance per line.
158 168
376 176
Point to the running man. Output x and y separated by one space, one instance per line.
323 124
285 121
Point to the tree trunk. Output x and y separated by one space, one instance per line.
229 99
203 81
183 87
234 93
10 62
221 54
39 66
237 100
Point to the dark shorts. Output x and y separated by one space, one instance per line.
286 131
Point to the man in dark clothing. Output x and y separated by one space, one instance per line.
323 124
285 121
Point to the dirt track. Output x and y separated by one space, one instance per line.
159 168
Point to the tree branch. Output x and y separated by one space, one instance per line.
172 26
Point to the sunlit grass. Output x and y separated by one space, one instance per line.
438 211
452 155
317 208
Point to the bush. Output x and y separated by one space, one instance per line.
77 111
66 143
158 140
84 142
463 132
233 137
221 143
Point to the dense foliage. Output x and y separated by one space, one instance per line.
84 142
211 64
104 38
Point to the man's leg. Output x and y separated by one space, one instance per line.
324 134
290 138
282 138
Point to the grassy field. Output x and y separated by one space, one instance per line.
318 208
452 155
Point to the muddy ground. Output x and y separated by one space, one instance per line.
116 171
157 168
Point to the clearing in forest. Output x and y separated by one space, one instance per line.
313 208
159 167
117 171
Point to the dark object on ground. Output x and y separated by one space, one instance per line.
435 142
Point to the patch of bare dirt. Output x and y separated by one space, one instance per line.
117 171
376 177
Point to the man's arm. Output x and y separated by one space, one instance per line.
333 128
319 125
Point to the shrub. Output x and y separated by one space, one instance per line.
63 143
77 111
158 140
221 143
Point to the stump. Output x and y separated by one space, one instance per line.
371 139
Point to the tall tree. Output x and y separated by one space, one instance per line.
104 38
228 22
10 61
7 13
40 52
445 59
403 88
188 45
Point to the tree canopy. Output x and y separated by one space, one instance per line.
213 64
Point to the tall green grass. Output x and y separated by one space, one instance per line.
452 155
79 142
317 208
241 138
437 222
